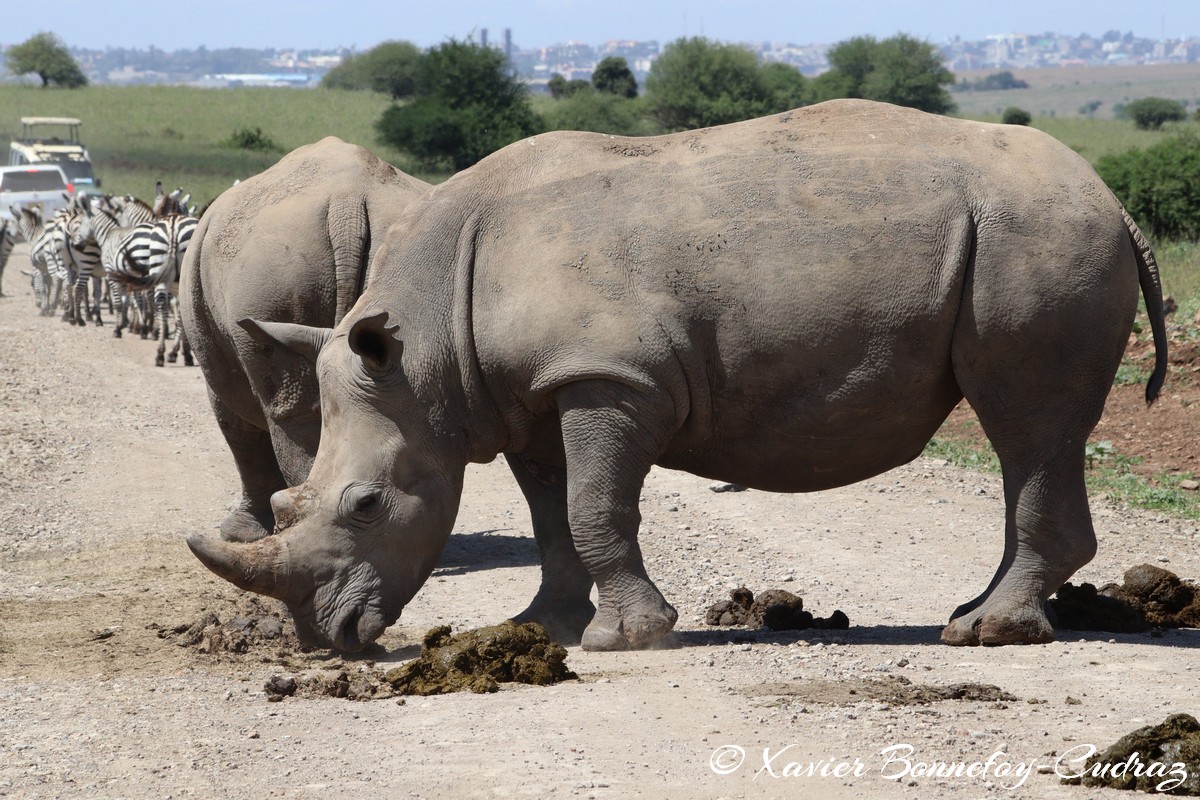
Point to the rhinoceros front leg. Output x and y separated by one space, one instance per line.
259 470
562 604
612 436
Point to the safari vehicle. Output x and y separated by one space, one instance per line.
54 140
39 186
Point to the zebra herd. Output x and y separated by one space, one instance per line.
123 248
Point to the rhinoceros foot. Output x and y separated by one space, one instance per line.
994 624
635 629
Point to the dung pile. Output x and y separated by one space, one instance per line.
776 609
1150 597
362 684
481 659
1162 759
253 625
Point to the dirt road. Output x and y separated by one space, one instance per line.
107 462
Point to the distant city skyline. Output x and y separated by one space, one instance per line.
315 24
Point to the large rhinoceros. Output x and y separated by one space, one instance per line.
791 303
291 244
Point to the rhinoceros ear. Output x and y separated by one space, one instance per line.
372 340
302 339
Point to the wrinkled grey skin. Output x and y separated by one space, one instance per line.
792 303
292 245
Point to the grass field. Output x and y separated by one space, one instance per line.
140 134
137 135
1061 91
179 135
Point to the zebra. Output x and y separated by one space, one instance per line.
29 222
115 234
83 252
8 238
150 256
55 248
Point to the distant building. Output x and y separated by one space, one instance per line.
250 79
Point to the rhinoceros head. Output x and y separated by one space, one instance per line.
359 537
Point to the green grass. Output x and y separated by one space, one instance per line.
1108 473
1179 266
139 134
1058 93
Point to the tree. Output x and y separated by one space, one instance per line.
786 86
1016 116
46 55
1150 113
900 70
389 68
613 75
696 83
560 87
465 106
999 81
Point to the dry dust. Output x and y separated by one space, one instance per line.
127 670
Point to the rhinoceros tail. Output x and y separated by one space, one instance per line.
1151 284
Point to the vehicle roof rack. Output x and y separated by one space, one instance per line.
51 121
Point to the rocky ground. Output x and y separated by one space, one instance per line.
129 671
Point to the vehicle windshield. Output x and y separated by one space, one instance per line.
39 180
77 171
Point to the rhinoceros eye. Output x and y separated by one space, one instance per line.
363 503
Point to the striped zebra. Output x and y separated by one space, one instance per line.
8 239
150 257
110 222
82 252
32 228
65 257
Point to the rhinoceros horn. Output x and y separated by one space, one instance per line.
260 566
302 339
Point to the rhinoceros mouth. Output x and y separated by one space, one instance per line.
357 628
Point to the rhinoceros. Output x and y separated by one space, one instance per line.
291 244
791 303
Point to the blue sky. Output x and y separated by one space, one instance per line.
178 24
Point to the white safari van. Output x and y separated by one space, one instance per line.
54 140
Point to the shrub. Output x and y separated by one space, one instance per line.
1150 113
1016 116
252 139
1160 185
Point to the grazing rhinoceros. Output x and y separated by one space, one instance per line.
291 244
791 303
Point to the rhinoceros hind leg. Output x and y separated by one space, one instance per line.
1037 405
612 435
562 604
1048 536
